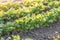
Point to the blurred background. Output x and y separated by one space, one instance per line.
2 1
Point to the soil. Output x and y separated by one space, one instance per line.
42 33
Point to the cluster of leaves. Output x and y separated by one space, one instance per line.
14 37
26 16
28 23
7 5
14 10
41 4
55 37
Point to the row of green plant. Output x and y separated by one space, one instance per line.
13 14
53 3
7 5
26 16
28 23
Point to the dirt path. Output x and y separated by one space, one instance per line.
42 33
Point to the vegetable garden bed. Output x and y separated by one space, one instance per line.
28 15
